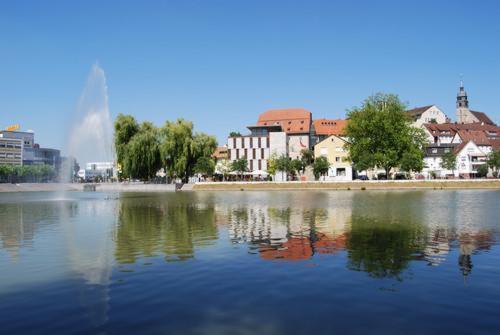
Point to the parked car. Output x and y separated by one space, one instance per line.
363 177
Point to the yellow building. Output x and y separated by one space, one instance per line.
333 148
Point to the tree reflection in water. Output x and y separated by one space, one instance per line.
163 225
383 249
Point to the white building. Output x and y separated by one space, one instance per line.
93 170
426 114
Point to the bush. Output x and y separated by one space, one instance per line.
482 171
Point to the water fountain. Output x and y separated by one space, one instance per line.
91 136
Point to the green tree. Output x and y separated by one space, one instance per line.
296 166
235 134
494 162
380 134
449 161
272 164
125 128
283 164
307 158
320 166
142 154
224 167
205 166
239 166
482 170
181 149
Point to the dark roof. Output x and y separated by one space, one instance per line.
415 112
482 117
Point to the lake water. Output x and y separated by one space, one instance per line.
306 262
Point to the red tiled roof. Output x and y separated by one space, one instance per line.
479 137
293 120
329 127
482 117
454 127
495 144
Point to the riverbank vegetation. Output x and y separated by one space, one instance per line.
143 149
380 136
27 173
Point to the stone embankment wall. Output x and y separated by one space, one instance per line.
353 185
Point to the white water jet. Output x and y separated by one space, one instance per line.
91 136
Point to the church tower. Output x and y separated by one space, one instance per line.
463 113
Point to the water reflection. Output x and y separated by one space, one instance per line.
380 235
71 243
162 225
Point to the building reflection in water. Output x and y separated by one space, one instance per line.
289 233
381 236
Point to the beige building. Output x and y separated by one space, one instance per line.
427 114
333 148
11 151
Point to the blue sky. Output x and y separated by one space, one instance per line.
221 63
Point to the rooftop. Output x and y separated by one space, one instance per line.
329 127
292 120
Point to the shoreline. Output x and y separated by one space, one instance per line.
489 184
479 184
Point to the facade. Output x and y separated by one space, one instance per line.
97 169
254 147
295 123
427 114
32 154
469 158
11 151
433 160
333 148
221 160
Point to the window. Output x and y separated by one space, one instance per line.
259 143
259 163
254 156
246 153
237 153
251 165
251 142
337 159
341 172
434 151
262 153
